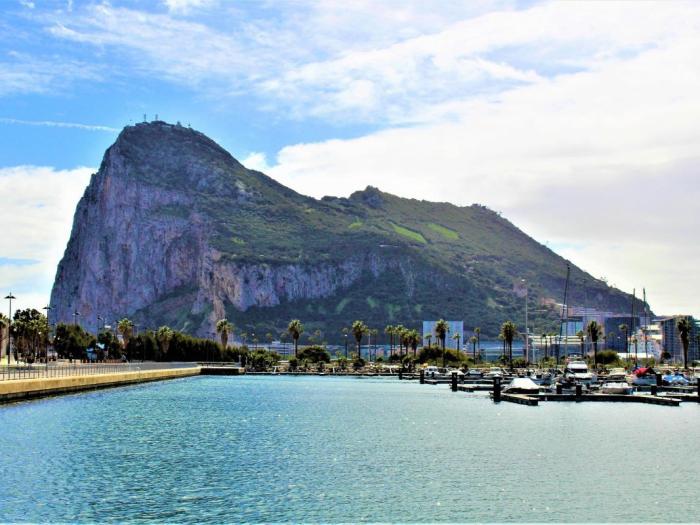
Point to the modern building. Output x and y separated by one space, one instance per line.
455 327
671 339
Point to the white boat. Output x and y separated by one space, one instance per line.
522 385
493 372
616 387
577 371
616 375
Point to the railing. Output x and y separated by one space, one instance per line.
66 369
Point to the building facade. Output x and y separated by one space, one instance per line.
455 327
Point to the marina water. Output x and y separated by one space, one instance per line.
328 449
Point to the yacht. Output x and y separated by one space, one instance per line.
643 377
577 372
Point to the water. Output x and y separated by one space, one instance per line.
324 449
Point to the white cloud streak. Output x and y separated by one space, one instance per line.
57 124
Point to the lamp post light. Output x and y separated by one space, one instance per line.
9 297
76 314
48 335
346 345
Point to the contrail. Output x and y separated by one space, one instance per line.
56 124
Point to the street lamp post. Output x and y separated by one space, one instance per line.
346 346
48 309
9 297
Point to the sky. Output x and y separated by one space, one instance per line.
578 121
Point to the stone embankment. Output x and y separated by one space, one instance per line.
20 389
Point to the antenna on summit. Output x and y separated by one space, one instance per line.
144 117
156 116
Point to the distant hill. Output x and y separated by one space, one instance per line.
173 230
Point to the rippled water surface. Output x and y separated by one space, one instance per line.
324 449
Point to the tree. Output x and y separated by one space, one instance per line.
441 329
314 354
4 323
389 330
126 328
477 333
544 340
71 341
413 339
295 329
358 330
164 335
429 337
684 327
624 329
595 331
509 332
581 336
223 328
456 337
473 340
30 333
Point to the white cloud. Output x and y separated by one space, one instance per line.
256 161
606 157
186 6
37 213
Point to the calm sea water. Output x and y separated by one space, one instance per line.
323 449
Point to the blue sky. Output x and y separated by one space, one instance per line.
577 120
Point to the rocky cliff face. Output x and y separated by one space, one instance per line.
173 230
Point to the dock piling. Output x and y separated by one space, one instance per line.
658 379
422 377
454 381
560 389
496 389
654 389
579 392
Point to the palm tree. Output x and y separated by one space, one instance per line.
126 328
624 328
473 340
295 329
594 332
441 329
4 323
581 336
164 335
684 327
544 340
429 337
389 330
358 330
509 331
412 338
223 327
456 337
477 333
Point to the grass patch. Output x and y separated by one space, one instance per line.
445 232
413 235
341 306
355 225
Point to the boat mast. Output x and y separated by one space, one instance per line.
634 299
564 314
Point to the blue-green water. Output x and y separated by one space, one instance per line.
324 449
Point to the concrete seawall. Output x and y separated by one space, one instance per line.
19 389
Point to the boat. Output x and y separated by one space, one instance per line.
474 373
494 372
577 372
675 379
616 375
616 387
521 385
645 376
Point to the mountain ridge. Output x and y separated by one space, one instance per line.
172 229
